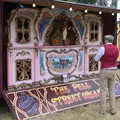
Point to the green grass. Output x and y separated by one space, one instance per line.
5 113
88 112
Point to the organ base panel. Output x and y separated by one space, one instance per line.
38 101
48 99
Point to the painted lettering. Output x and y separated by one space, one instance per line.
91 94
60 90
81 86
69 99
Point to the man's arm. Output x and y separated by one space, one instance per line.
99 54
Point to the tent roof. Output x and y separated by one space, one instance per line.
62 4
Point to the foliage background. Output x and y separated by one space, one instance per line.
82 1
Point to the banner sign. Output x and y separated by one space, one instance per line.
43 100
73 94
38 101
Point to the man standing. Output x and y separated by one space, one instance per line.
107 55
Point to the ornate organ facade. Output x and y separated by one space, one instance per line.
51 46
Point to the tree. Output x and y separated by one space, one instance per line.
82 1
107 3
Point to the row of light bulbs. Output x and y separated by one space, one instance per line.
71 9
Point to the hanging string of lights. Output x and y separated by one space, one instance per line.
53 6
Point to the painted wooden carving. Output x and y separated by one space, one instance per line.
42 24
23 69
94 32
21 61
42 61
59 62
62 63
62 32
47 46
93 66
22 30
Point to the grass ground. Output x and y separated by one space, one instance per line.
88 112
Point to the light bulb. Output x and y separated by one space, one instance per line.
34 5
70 9
86 10
52 6
113 14
100 12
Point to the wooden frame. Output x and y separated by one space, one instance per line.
1 46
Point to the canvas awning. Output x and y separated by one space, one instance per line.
61 4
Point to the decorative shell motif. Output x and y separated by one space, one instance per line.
23 53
